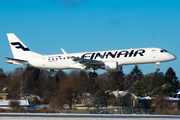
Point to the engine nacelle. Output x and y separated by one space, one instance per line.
112 66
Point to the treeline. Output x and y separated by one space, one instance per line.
59 88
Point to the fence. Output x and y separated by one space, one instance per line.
120 110
117 110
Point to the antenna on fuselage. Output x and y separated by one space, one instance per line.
64 51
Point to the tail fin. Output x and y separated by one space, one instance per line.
19 50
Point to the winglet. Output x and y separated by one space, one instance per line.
64 51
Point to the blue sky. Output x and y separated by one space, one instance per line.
45 26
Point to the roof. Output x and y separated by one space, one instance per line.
121 93
145 98
86 94
171 98
176 95
80 105
3 93
178 90
136 97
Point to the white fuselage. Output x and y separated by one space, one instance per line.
112 60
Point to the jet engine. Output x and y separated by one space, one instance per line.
112 66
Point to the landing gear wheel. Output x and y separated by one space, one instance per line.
92 74
157 69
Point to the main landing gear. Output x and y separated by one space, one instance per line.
157 65
93 74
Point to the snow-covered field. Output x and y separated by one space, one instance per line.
35 116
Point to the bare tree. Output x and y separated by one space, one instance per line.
14 104
19 73
102 81
69 89
161 103
87 100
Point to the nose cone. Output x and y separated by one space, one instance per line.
173 57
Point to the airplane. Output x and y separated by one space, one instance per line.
111 60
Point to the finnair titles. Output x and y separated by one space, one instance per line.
104 55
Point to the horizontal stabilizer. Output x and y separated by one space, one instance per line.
16 60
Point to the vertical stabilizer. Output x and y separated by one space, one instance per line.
19 50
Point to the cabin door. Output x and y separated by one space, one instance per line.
154 53
43 61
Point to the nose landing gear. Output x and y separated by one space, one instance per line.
157 65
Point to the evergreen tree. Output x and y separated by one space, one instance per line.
92 86
130 79
116 80
46 85
101 98
137 88
103 81
2 74
171 78
158 79
151 84
32 75
2 79
136 72
154 81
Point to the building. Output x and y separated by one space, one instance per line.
5 104
3 96
131 100
174 101
176 95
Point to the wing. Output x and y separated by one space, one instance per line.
88 63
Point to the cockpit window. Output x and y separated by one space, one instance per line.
163 50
